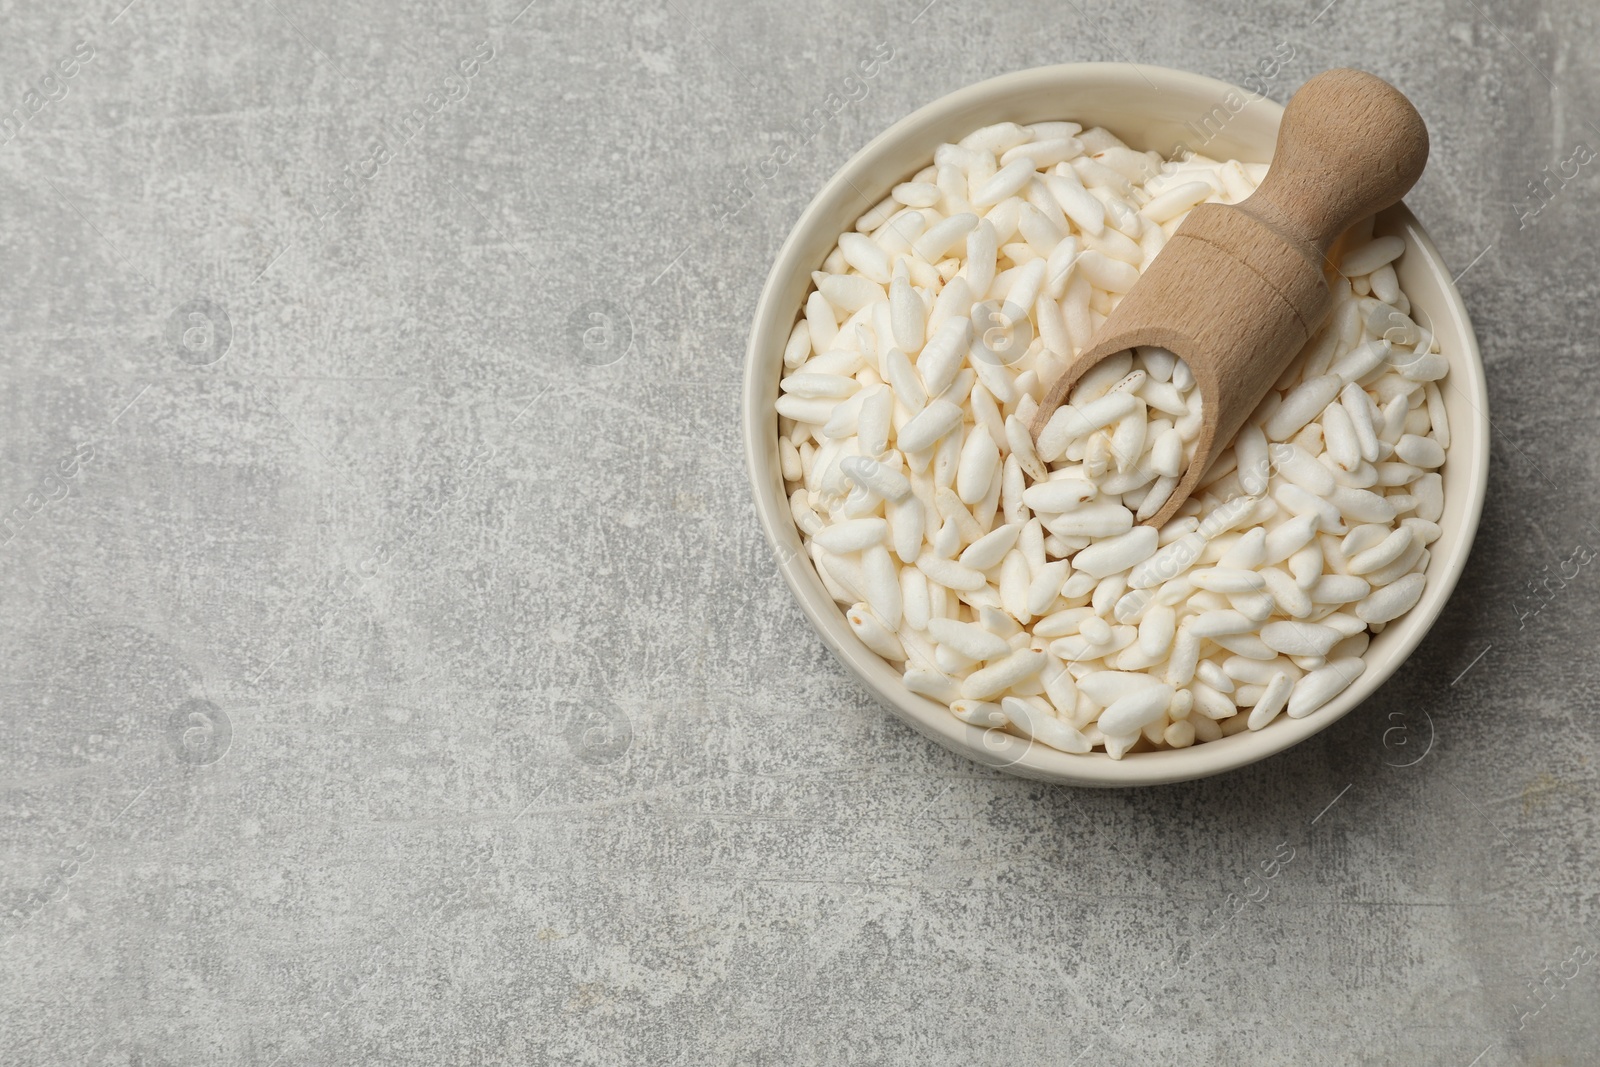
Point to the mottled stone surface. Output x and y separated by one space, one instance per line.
391 677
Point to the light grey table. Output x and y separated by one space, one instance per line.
394 671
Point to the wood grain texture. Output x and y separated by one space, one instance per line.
1240 289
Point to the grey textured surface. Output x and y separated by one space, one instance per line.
389 677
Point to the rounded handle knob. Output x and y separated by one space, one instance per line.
1349 146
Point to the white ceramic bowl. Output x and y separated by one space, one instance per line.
1150 108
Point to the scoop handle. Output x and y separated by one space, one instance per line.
1350 145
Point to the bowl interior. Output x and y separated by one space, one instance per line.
1149 108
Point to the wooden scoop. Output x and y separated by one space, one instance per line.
1239 289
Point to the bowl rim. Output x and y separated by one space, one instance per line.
997 748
